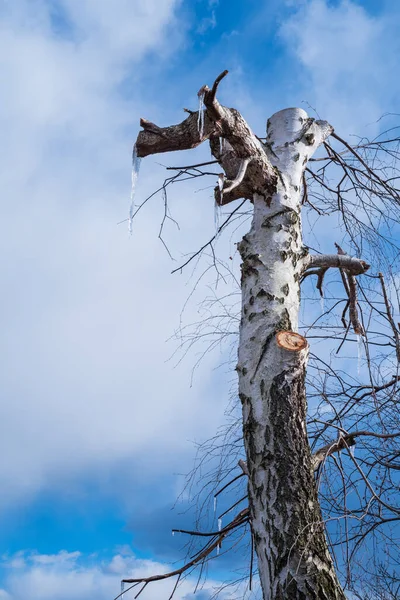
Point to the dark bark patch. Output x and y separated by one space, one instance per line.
285 289
243 398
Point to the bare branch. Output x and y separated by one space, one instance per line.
355 266
239 520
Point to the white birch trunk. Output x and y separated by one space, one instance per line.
293 558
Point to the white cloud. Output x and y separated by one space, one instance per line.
85 311
349 58
84 578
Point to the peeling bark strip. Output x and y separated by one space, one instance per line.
293 558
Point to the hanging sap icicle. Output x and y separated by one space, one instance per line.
221 145
200 118
122 590
215 504
219 529
217 214
322 304
136 160
221 179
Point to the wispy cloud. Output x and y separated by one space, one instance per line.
348 57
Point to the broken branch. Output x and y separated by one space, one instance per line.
246 164
353 265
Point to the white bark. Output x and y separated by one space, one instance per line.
293 557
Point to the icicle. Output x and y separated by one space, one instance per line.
352 450
122 589
217 213
173 533
218 550
359 353
135 173
221 145
215 504
219 524
200 118
221 179
322 304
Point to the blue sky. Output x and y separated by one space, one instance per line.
96 424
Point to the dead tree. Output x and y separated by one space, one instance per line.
273 173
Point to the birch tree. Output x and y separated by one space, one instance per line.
279 176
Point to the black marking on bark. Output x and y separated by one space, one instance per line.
263 294
255 258
244 398
267 220
310 138
285 289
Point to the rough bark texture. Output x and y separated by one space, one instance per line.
293 558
